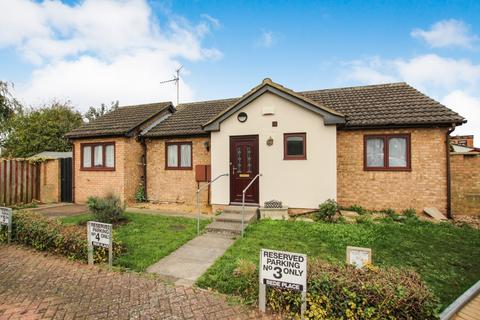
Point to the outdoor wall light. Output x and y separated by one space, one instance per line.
207 145
270 141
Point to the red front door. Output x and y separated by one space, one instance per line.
243 168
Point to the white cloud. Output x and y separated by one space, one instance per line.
101 50
454 82
267 39
446 33
469 107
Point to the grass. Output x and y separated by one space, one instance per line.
148 238
446 256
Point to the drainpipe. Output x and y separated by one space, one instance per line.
449 177
144 165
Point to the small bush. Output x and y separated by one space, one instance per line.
44 234
344 292
409 213
358 209
140 194
366 219
327 210
108 209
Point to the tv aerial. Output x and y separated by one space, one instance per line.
176 79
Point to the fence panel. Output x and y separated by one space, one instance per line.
19 181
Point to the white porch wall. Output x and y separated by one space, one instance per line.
297 183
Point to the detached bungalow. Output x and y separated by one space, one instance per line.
379 146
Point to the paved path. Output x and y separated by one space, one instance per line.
61 210
38 286
190 261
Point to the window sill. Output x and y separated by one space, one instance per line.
295 158
97 169
178 168
388 169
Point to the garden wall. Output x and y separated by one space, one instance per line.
465 171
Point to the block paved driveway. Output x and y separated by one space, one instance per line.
34 285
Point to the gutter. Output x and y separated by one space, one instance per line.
449 174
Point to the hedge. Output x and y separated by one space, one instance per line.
343 292
44 234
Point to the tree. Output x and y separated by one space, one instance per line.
8 107
36 130
93 113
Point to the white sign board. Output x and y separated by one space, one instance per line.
99 234
285 270
359 257
5 216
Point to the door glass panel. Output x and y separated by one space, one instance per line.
239 159
249 159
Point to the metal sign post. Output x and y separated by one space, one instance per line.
285 270
6 220
99 235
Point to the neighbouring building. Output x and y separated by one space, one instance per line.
379 146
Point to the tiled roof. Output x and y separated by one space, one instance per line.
189 118
119 122
394 104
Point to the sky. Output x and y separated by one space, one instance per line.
97 51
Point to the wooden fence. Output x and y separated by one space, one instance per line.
19 181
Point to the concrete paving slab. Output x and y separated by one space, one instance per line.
191 260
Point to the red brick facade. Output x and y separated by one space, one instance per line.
465 171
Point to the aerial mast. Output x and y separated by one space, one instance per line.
176 79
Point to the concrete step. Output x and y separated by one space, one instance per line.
238 209
233 228
236 217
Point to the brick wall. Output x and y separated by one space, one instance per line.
423 186
175 189
465 172
122 181
50 181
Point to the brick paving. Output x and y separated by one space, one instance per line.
34 285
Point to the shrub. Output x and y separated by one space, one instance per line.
409 213
327 210
140 194
344 292
108 209
358 209
44 234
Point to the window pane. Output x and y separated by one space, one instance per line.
172 155
98 156
295 146
375 151
87 157
109 156
397 152
186 155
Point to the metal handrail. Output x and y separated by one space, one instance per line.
198 201
243 198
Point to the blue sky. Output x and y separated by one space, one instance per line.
97 51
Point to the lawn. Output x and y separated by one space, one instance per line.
447 257
148 238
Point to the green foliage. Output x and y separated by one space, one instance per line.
441 253
42 129
410 213
9 106
94 113
147 238
140 193
108 209
390 213
343 292
44 234
358 209
327 210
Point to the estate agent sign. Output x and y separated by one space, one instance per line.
99 235
359 257
6 220
285 270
